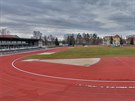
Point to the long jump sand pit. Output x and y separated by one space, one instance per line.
77 62
46 53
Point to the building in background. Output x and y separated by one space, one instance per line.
107 40
130 39
116 40
14 42
112 40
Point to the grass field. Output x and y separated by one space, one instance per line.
89 52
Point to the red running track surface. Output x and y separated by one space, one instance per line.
16 85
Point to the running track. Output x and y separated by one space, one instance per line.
112 79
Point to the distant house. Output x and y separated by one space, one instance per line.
116 40
134 41
112 40
106 40
130 40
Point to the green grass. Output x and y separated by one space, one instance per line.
89 52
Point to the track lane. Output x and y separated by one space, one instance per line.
19 86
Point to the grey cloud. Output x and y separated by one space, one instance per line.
128 22
89 15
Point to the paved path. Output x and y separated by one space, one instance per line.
112 79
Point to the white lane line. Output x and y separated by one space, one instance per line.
105 87
63 78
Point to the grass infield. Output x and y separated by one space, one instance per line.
88 52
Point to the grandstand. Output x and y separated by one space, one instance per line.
10 43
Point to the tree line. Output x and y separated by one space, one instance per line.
83 39
50 40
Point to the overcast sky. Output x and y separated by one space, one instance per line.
68 16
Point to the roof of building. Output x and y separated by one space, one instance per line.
130 38
116 36
17 39
107 36
9 36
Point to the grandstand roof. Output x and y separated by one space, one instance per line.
9 36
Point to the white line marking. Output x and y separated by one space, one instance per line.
106 87
63 78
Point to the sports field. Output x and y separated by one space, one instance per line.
111 79
90 52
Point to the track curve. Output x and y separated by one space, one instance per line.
19 86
